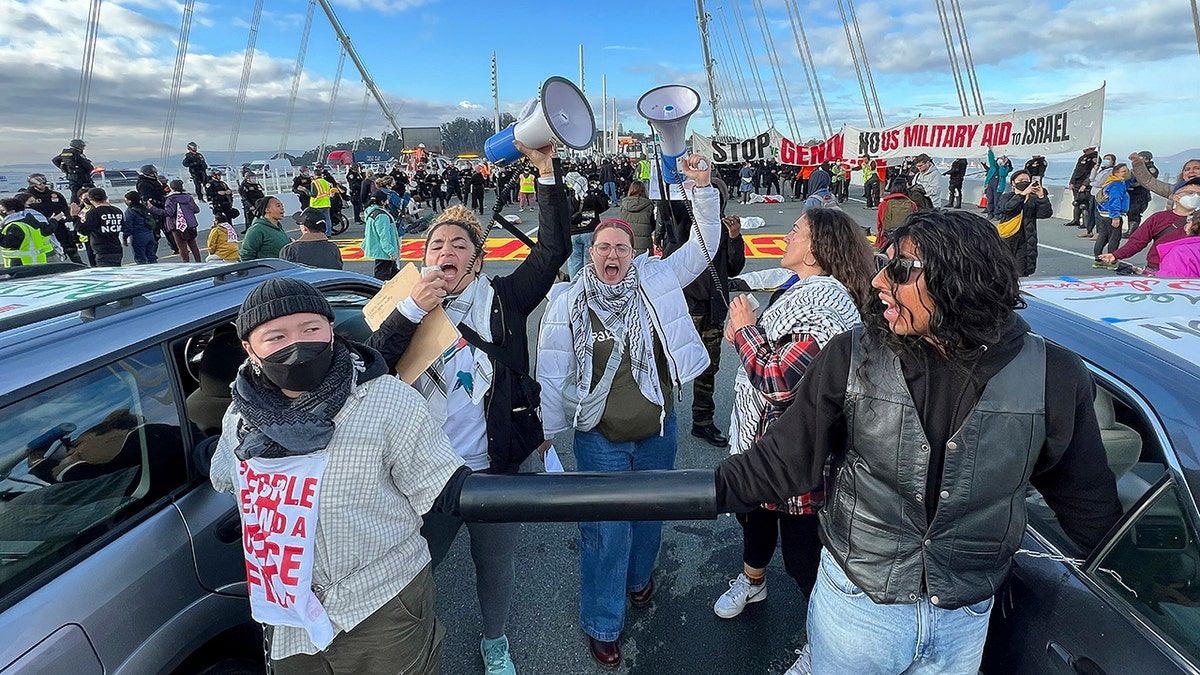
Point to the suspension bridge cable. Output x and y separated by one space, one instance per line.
806 63
976 92
702 18
813 65
955 72
337 83
731 103
737 65
742 99
1196 23
862 86
185 29
247 65
752 61
85 69
362 119
287 118
862 46
776 70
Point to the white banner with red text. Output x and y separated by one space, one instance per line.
278 500
1070 126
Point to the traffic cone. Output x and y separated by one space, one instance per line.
983 201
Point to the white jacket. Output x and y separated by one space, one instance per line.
661 283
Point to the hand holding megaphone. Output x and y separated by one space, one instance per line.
696 167
542 158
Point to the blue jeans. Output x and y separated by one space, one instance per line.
328 222
849 633
616 558
579 252
610 189
993 192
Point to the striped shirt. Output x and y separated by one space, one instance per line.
388 462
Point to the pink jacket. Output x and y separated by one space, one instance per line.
1180 258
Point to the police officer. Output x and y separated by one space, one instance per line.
21 240
251 192
197 167
220 197
56 209
78 168
154 194
301 185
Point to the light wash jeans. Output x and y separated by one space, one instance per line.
849 633
580 243
617 558
610 189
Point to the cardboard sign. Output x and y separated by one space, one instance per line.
278 501
434 335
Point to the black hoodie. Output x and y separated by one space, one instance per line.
1072 472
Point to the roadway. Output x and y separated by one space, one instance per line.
678 633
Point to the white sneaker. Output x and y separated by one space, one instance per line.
803 665
741 593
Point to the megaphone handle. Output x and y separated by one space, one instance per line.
712 267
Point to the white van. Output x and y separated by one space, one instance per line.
263 167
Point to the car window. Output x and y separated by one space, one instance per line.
79 459
1155 567
348 318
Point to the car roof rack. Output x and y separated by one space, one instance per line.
40 270
111 302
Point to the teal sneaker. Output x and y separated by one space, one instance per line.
496 660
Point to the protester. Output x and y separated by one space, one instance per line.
595 202
929 181
638 211
55 207
1162 227
918 410
138 226
180 220
1181 257
80 205
1027 200
266 237
819 194
1100 176
604 371
381 240
1111 207
223 242
102 225
745 182
324 411
313 248
994 181
832 268
480 390
1140 167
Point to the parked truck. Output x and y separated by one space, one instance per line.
346 157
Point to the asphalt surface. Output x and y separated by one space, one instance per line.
678 633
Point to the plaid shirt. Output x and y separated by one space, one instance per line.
775 371
388 462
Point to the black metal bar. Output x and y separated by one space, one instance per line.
589 496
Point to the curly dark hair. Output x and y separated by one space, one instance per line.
970 277
839 247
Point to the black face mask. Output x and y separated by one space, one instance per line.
300 366
1021 185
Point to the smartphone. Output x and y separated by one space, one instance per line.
1035 181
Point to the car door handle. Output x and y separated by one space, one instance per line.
1079 664
229 530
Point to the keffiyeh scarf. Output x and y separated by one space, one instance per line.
621 309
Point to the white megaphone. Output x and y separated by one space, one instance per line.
562 114
668 108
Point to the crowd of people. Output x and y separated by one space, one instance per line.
853 338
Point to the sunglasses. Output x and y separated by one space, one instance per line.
899 270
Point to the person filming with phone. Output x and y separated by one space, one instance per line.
1027 200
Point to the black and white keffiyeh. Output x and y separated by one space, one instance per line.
622 310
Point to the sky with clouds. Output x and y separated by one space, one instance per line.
431 58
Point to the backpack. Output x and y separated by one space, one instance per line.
892 212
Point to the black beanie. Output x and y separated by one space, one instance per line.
280 296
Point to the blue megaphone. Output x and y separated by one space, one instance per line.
562 114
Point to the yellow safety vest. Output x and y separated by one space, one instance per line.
324 189
644 169
527 184
34 247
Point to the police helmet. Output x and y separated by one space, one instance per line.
36 179
149 170
78 143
